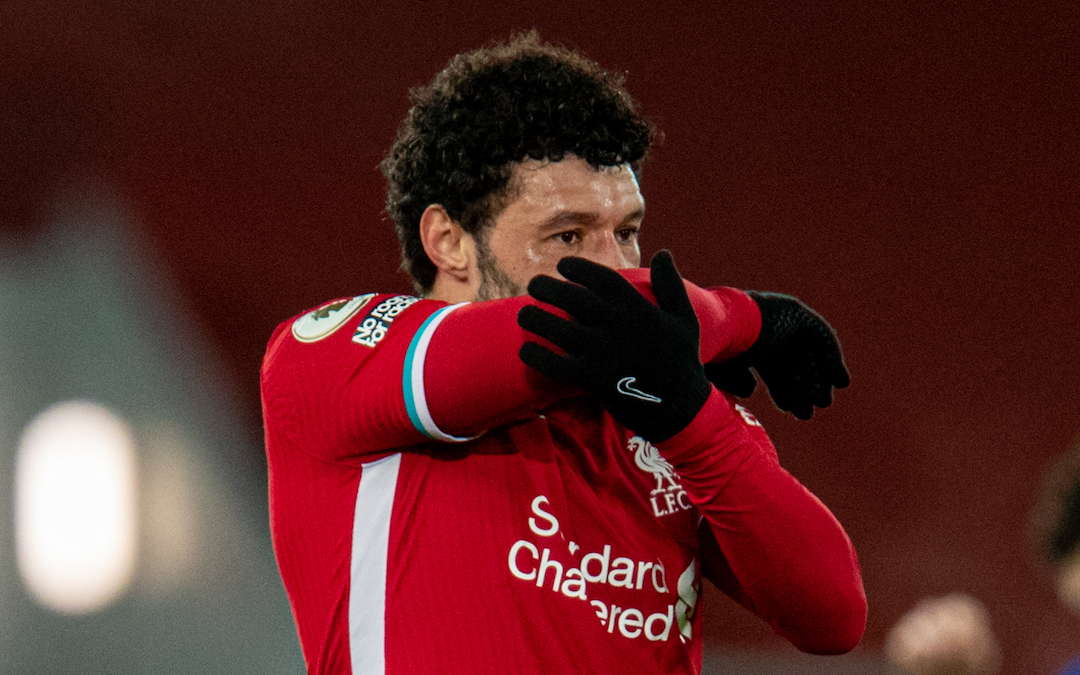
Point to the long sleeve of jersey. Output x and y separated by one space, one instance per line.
784 555
390 345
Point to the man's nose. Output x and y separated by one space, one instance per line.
605 250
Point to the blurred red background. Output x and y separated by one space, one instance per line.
908 169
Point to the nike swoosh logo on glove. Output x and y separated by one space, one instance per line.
625 387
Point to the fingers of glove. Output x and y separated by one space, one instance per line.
803 410
668 286
816 392
788 398
732 377
569 336
838 374
830 362
798 394
578 302
821 394
840 377
785 391
803 337
784 400
549 363
603 281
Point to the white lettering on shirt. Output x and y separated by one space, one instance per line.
553 522
668 496
373 328
545 568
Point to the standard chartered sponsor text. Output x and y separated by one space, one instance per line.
535 563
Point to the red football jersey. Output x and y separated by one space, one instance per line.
438 507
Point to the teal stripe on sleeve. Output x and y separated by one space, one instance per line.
412 376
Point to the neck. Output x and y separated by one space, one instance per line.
451 289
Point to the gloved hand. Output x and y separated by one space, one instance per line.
640 359
797 355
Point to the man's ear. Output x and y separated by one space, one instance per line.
449 247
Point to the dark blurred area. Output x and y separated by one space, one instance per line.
910 170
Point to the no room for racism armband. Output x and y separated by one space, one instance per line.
373 328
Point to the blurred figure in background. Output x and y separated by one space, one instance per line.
1056 528
952 635
948 635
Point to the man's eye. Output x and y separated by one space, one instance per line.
627 234
568 237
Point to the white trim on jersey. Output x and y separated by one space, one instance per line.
367 579
413 378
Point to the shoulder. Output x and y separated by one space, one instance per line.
325 348
323 321
351 322
331 319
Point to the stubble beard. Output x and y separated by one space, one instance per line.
495 284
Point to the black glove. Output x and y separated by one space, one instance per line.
796 354
640 359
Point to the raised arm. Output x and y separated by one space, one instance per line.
766 540
769 542
475 380
386 371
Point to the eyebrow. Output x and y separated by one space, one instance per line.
564 218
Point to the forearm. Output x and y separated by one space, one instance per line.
729 319
474 379
784 554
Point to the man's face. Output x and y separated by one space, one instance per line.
561 209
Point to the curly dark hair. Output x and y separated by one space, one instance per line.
494 107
